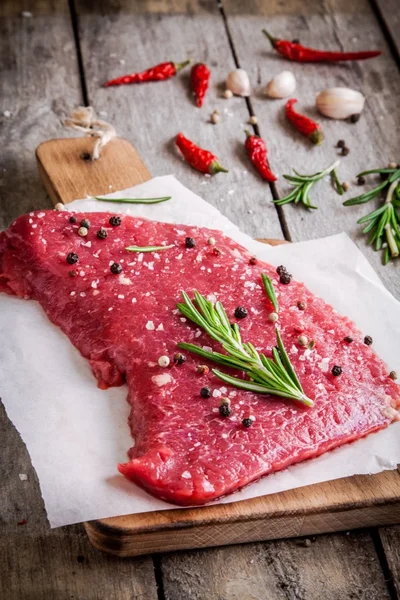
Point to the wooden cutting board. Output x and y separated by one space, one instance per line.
360 501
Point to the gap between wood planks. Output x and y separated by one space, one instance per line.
381 17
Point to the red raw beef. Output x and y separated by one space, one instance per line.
184 451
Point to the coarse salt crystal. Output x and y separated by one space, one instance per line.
160 327
182 319
140 257
94 283
95 292
72 293
82 294
197 333
82 273
207 348
186 475
161 379
121 296
179 257
134 300
124 280
110 262
150 266
110 309
223 390
216 394
150 325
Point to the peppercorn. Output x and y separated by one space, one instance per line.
346 186
253 260
179 358
211 241
361 180
83 231
72 258
216 251
281 269
345 151
336 371
85 223
205 392
202 370
115 221
247 422
72 219
190 242
72 273
240 312
225 410
348 339
285 278
368 340
301 305
355 118
393 375
102 234
341 144
116 269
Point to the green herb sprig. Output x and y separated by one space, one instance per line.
302 185
269 289
148 248
135 200
274 376
383 224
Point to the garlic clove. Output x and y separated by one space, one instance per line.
238 82
281 86
340 102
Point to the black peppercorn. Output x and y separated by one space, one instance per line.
202 370
225 410
190 242
285 278
216 251
115 221
341 144
85 223
116 269
102 234
281 269
205 392
240 312
348 339
253 260
72 273
393 375
179 358
247 422
355 118
361 180
72 258
336 370
72 219
301 305
368 340
345 151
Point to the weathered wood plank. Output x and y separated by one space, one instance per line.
330 567
39 82
150 115
390 538
373 141
388 11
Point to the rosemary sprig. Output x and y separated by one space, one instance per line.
274 376
336 183
302 185
269 288
383 224
148 248
135 200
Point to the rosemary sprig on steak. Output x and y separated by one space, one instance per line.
135 200
274 375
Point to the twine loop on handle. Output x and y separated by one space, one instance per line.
84 119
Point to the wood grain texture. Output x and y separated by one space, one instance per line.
388 10
39 82
332 567
390 538
151 115
373 141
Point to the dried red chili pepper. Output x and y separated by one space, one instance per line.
299 53
257 151
158 73
199 78
304 124
202 160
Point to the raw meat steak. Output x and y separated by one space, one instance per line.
184 451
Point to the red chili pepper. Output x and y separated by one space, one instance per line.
299 53
158 73
304 124
199 78
202 160
257 151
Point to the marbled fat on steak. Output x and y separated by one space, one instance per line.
184 451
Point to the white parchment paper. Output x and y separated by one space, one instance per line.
76 434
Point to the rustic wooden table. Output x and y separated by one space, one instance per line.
54 55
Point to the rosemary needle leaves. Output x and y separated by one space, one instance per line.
302 185
269 288
148 248
274 376
135 200
383 224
